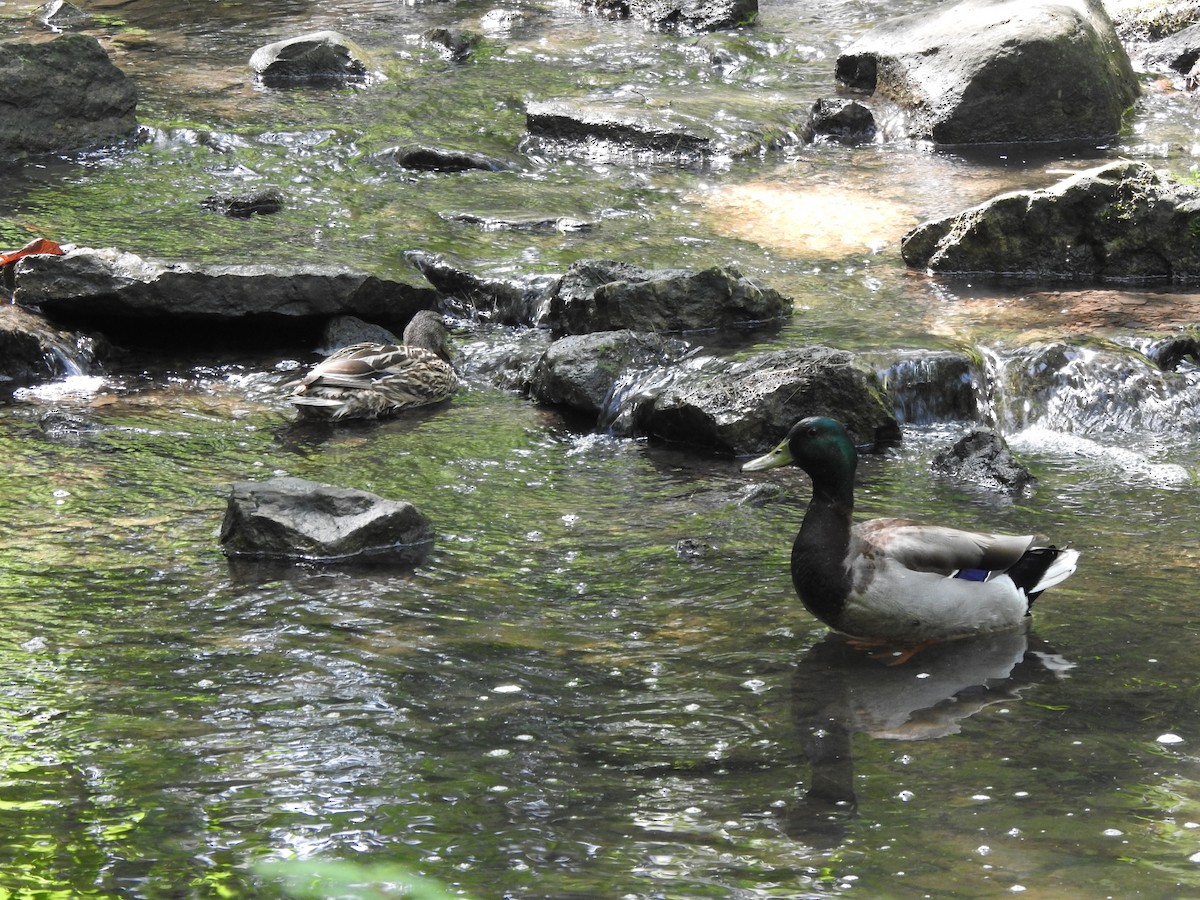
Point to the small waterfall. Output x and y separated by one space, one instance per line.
68 354
928 386
635 388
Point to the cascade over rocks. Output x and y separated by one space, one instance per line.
1119 221
603 295
684 15
1007 71
32 349
932 386
748 406
113 289
303 521
62 96
580 371
505 301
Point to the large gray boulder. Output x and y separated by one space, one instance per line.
602 295
304 521
112 289
981 71
748 406
1119 221
62 96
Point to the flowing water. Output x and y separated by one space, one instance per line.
600 684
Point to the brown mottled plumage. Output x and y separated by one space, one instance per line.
369 380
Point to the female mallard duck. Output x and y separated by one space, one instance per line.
370 380
894 580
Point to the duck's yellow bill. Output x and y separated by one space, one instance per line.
780 456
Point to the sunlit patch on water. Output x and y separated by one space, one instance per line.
808 220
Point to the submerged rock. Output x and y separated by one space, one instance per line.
602 128
603 295
1119 221
438 159
243 206
981 71
114 290
321 57
982 457
522 222
62 96
746 407
454 44
303 521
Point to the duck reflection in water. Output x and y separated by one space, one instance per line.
840 689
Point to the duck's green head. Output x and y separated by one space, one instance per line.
819 445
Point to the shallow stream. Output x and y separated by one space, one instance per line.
600 684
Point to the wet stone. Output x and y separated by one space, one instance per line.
983 458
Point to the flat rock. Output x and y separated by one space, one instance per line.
111 288
304 521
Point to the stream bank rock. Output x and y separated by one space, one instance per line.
747 407
293 519
62 96
1120 221
318 58
1006 71
121 293
604 295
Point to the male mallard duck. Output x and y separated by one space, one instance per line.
894 580
369 380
